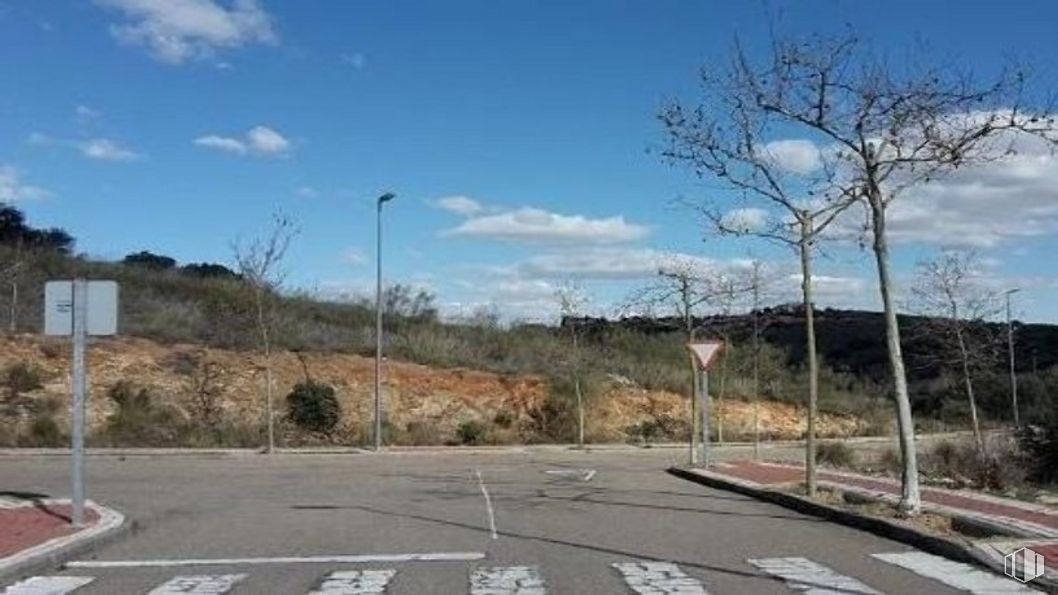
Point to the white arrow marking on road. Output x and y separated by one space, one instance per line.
367 558
802 574
203 584
955 574
48 585
584 474
355 582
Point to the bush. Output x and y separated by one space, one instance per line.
503 419
138 421
313 407
835 454
19 378
44 432
471 432
999 468
1039 443
422 433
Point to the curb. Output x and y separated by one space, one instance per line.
54 553
934 544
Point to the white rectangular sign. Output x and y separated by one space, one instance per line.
102 308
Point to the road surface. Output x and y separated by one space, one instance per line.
522 521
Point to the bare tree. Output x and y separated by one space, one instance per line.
886 130
683 287
12 272
790 185
571 302
259 263
946 289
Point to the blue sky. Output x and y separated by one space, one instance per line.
516 136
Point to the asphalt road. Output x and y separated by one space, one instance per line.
562 520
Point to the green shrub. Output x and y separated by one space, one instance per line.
45 432
471 432
138 421
422 433
503 419
21 377
1039 443
835 454
313 407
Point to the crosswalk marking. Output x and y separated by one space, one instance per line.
658 578
48 585
355 582
203 584
955 574
507 580
802 574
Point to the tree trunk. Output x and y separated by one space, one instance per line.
720 395
968 383
813 361
910 501
756 367
266 345
576 390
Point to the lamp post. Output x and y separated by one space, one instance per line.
378 323
1010 352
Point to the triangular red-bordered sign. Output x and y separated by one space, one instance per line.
705 353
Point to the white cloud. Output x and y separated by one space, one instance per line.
103 149
354 256
12 189
221 143
1014 199
745 220
85 114
605 263
175 31
306 192
796 155
460 205
264 140
259 140
357 60
540 226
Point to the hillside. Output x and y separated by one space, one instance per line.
425 405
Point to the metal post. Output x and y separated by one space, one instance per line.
703 385
1010 351
378 322
80 315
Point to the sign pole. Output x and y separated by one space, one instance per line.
704 387
80 315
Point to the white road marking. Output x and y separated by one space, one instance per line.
583 474
203 584
658 578
802 574
955 574
488 505
48 585
361 559
507 580
355 582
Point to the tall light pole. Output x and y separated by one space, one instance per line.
378 323
1010 352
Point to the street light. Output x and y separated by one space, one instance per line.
378 323
1010 352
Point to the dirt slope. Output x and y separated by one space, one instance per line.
439 399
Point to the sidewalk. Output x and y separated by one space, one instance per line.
1025 524
37 531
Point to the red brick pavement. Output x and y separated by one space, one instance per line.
27 526
770 474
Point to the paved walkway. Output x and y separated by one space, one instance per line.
1037 523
